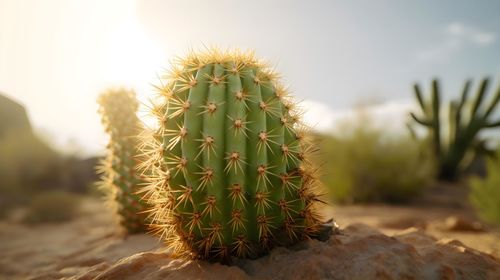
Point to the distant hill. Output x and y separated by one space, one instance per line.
29 165
13 116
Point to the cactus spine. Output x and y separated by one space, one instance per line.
120 180
464 123
232 171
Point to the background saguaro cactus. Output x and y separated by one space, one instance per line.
466 119
232 163
120 179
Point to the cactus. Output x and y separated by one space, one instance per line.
233 175
120 179
466 120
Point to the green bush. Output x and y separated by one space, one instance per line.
26 161
485 193
26 166
367 164
53 207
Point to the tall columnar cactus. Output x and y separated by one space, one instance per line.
466 119
233 175
120 178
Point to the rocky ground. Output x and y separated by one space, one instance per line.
381 242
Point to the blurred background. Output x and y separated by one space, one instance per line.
353 64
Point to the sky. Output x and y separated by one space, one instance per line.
56 56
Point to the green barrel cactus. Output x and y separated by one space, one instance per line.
120 179
232 171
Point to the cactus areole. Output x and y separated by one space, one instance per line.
232 170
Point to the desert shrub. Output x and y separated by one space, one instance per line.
364 163
485 193
26 165
53 206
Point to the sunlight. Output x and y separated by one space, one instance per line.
132 59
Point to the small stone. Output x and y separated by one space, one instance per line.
459 223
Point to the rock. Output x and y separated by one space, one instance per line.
405 223
160 265
360 252
459 223
13 116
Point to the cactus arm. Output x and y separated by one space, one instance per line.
479 97
453 123
458 113
431 114
436 105
465 93
420 121
493 124
493 104
420 99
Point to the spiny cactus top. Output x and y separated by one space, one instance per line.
233 177
120 179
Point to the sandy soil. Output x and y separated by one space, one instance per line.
401 246
68 248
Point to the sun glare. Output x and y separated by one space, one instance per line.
133 60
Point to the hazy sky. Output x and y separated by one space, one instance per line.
57 55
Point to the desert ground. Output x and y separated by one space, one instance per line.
396 242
